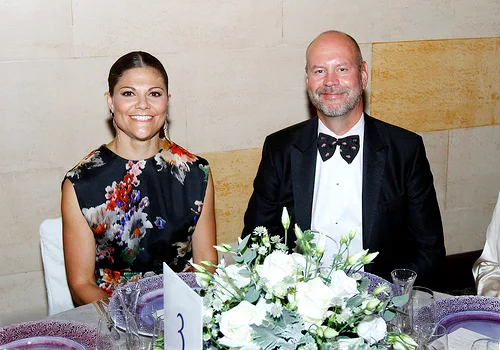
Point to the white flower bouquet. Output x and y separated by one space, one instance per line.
270 299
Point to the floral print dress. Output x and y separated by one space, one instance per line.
142 213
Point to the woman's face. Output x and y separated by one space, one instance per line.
139 103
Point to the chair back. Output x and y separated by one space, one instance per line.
58 294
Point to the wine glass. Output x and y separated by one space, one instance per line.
430 336
486 344
105 339
158 342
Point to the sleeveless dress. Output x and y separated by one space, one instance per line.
142 213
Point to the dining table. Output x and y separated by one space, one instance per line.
87 316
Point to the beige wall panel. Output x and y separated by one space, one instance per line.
473 167
436 85
35 29
417 20
234 99
368 21
233 173
58 112
436 147
465 229
23 298
478 18
304 20
174 26
33 196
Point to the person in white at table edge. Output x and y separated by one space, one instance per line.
486 269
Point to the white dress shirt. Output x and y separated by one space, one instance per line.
337 201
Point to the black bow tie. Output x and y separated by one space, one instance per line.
349 147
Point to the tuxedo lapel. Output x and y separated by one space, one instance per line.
303 165
374 158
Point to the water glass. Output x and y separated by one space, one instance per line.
140 334
486 344
430 336
129 295
423 307
403 280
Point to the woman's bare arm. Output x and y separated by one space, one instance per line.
204 236
79 250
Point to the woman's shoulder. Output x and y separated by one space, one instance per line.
95 159
178 155
180 162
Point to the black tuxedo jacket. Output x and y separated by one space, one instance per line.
401 218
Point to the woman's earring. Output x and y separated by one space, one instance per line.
116 127
165 128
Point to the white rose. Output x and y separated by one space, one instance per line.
342 285
372 329
349 343
236 275
275 268
300 261
313 298
236 323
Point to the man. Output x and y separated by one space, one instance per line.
377 182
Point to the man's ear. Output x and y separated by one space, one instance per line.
364 74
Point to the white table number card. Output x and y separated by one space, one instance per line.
183 313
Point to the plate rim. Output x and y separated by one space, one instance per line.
22 340
86 335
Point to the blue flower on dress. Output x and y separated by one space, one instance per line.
160 223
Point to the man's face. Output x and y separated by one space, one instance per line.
334 78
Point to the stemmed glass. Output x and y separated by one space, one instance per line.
403 279
158 342
486 344
430 336
105 339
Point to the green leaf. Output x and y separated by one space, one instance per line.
400 300
252 294
249 255
388 315
238 259
283 333
243 243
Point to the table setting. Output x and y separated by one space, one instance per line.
78 328
270 298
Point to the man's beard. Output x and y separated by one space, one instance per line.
353 98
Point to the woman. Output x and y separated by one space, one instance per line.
140 200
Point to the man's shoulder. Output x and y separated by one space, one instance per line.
290 133
388 130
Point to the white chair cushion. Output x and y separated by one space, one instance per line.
58 295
